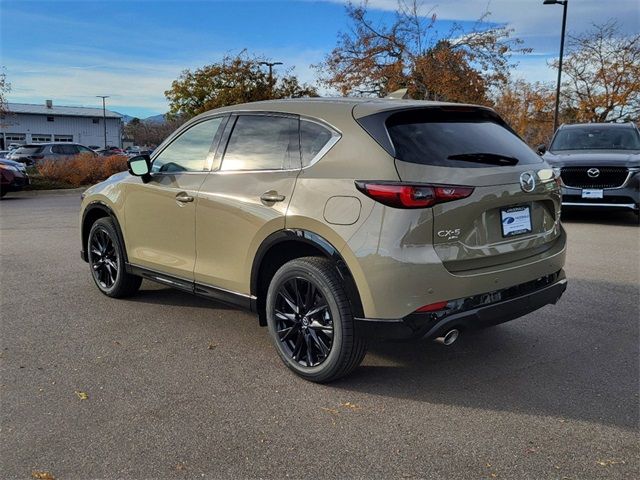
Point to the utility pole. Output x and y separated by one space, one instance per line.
270 65
104 117
564 3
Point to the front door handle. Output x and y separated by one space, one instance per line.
184 198
271 196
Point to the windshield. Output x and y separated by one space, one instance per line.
594 138
462 139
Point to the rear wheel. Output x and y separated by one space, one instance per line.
310 320
106 260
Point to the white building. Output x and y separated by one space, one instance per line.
29 123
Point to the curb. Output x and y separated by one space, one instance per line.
59 191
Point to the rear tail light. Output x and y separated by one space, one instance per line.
403 195
433 307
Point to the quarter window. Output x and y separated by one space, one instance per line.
263 142
188 152
313 137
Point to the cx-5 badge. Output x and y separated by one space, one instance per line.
527 181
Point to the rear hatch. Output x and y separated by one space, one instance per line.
513 211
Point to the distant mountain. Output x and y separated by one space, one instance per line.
153 119
125 118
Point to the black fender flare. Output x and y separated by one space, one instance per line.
320 243
99 205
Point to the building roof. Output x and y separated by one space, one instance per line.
34 109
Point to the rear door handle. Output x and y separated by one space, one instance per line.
184 198
271 196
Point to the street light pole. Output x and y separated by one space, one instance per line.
270 65
564 3
104 118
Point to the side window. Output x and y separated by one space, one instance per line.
188 152
64 149
84 149
263 142
313 137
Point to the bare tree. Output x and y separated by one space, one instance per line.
375 58
603 75
5 87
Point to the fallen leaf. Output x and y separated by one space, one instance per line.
82 395
42 475
608 463
212 345
330 410
181 467
350 405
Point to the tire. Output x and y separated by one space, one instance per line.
301 335
106 257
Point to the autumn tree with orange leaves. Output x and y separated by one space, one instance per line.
602 72
528 108
235 79
376 58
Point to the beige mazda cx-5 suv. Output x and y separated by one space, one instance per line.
335 220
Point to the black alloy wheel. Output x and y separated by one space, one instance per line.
106 257
303 322
310 320
103 257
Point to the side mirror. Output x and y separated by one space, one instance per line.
140 166
542 149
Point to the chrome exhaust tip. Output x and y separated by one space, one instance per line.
449 337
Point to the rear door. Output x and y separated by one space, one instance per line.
513 212
245 198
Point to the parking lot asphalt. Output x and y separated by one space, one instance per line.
178 387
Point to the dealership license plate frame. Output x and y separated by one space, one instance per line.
521 224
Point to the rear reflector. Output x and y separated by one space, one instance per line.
433 307
402 195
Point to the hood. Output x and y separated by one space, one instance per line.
609 158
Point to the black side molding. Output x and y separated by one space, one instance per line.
206 291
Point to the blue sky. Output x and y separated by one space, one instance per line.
132 50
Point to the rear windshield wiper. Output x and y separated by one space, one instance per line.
489 158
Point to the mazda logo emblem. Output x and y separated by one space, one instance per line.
593 173
527 181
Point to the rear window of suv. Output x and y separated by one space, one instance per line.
456 138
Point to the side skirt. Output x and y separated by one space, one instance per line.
210 292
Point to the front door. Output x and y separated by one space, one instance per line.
160 214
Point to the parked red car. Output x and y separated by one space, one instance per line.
13 176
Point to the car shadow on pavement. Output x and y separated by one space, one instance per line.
603 217
578 359
156 294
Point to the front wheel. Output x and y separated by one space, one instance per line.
106 260
310 320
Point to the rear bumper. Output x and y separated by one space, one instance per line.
485 310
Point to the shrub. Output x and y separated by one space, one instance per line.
82 169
